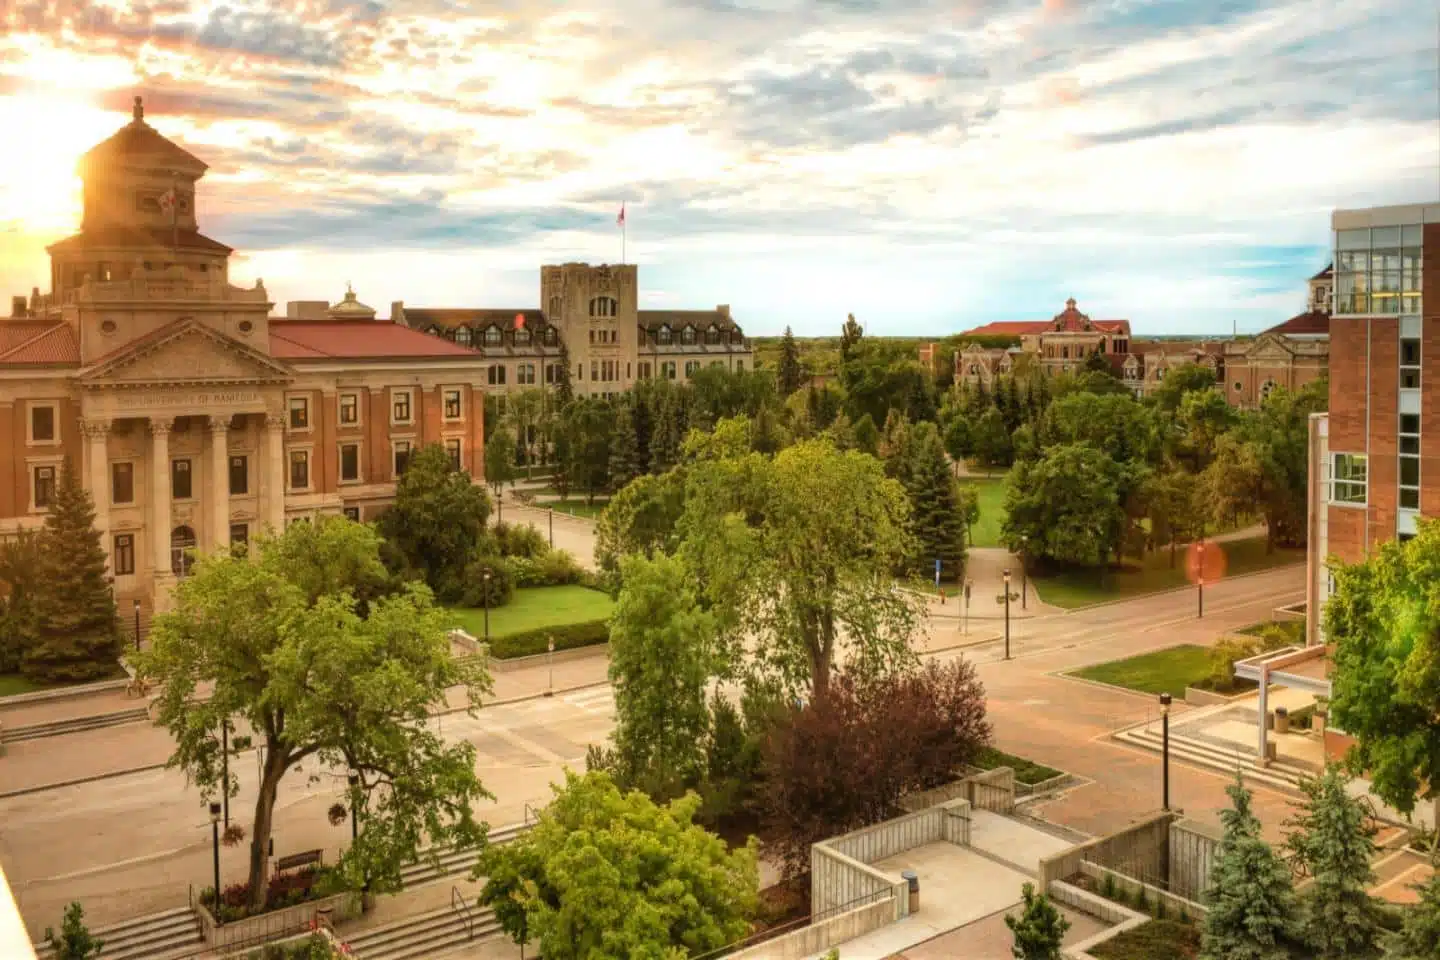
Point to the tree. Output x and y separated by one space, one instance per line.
1178 382
1114 423
1039 929
564 390
662 656
19 588
77 632
500 460
958 439
436 522
866 435
1384 619
1332 841
1098 362
75 941
624 465
1172 501
850 335
937 515
844 759
1069 506
1419 935
606 875
668 434
989 440
789 375
588 423
797 554
1203 417
275 638
1251 898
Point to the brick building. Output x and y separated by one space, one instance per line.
193 417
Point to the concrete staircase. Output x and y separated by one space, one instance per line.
158 936
454 863
56 728
425 935
1280 775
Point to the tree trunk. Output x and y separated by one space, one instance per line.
276 762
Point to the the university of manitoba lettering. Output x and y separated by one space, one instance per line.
196 419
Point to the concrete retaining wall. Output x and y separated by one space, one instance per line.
822 935
1136 851
1192 854
277 924
1131 887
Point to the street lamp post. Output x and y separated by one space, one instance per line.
137 624
1024 572
486 578
1007 614
552 527
354 781
550 662
225 767
1200 580
1165 751
215 842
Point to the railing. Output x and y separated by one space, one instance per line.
462 909
531 811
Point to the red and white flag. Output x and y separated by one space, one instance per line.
620 220
167 200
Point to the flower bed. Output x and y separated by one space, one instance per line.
1149 941
284 890
317 946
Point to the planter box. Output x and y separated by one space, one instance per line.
277 924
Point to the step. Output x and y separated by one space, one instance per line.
55 728
1211 758
455 862
152 919
143 938
155 948
423 934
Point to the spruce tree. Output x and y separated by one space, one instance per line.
666 437
75 941
1419 935
1039 929
19 569
895 444
624 449
1333 841
1251 894
850 335
564 391
936 514
841 432
77 635
867 435
789 375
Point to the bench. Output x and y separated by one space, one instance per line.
303 859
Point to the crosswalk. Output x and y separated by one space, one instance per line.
535 733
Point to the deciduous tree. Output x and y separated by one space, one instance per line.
606 875
500 459
314 680
1069 506
989 439
19 589
641 519
436 522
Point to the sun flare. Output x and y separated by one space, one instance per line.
39 188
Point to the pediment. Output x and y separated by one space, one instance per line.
1268 346
187 352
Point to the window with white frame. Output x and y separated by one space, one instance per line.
667 370
522 337
42 486
123 554
525 374
1409 363
349 409
495 375
452 450
299 413
401 450
43 424
687 336
452 404
492 336
462 336
1409 441
1348 473
690 367
664 336
349 462
1377 270
644 369
400 406
299 469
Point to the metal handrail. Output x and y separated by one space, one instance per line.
463 909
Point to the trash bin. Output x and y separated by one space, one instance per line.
1282 720
910 877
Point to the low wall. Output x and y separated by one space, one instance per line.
1136 851
985 790
275 925
62 693
1174 905
540 659
822 935
1192 854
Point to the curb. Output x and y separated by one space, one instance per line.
63 693
1188 587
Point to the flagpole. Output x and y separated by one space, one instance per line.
175 215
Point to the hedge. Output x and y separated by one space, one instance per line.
567 637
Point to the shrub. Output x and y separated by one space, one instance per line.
497 591
283 890
519 540
554 568
567 637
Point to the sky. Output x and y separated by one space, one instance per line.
925 166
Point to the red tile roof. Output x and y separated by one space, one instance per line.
359 340
1009 328
40 344
131 237
1069 320
1304 324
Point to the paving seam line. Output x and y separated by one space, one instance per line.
25 791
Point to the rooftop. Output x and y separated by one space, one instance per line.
359 340
138 139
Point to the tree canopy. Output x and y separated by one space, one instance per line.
437 520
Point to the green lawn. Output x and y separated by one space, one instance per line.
1081 587
535 607
1160 671
1149 941
576 507
991 494
13 683
1026 771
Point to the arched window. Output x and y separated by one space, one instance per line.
182 550
687 336
552 313
492 336
551 337
664 337
712 335
604 307
462 336
434 330
522 337
1267 388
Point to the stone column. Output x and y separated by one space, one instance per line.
160 495
219 482
272 487
97 432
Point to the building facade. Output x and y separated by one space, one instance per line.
193 417
593 311
1062 343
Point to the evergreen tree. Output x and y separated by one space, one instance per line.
789 376
867 436
1333 842
666 437
74 942
841 432
564 391
624 449
767 435
1251 895
1012 402
77 632
850 335
1039 929
937 516
895 444
1419 935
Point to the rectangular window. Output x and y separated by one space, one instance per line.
690 367
239 476
180 478
349 462
1410 363
452 404
644 370
299 469
452 449
349 409
495 376
42 424
667 369
239 534
124 550
122 482
1347 477
739 365
44 486
1409 441
352 514
400 406
594 370
402 456
299 413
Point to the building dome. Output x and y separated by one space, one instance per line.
350 308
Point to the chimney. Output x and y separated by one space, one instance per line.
17 307
34 299
397 311
724 310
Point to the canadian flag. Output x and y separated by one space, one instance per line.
620 220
